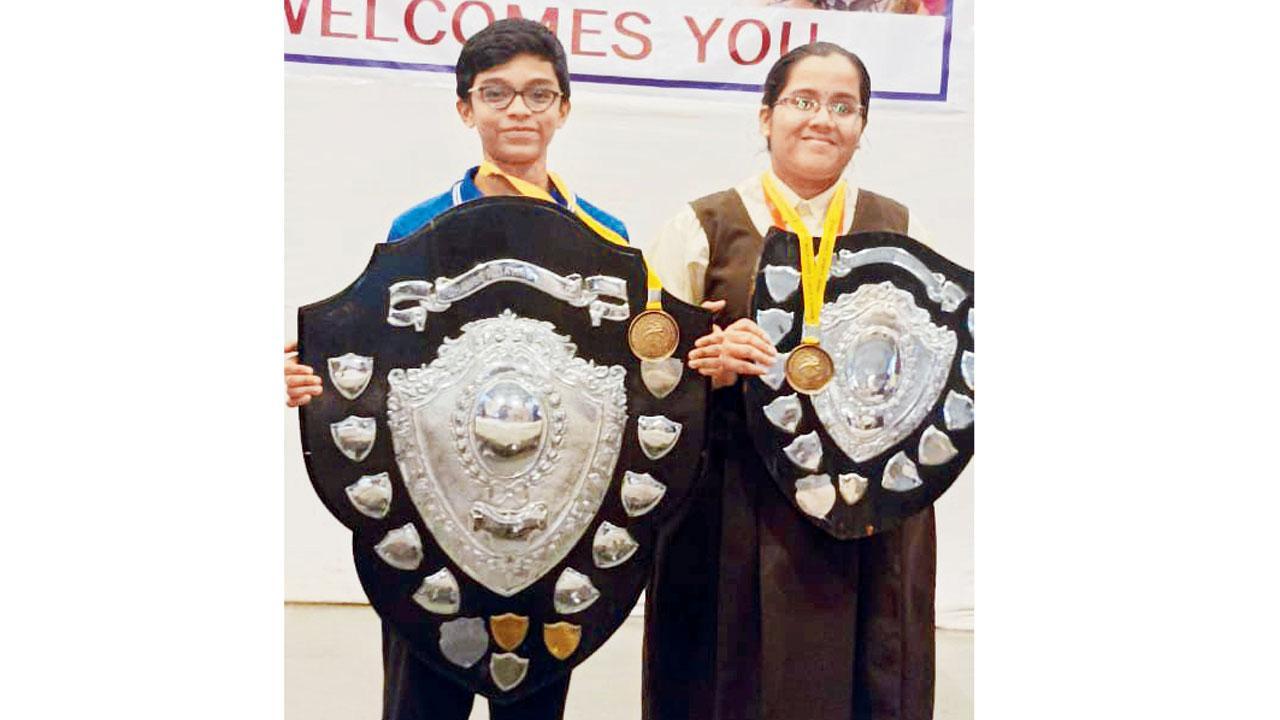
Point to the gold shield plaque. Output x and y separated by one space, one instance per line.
561 638
509 630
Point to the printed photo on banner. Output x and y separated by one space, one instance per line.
903 7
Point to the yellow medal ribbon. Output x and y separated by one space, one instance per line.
528 189
814 271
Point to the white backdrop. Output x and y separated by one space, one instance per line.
362 145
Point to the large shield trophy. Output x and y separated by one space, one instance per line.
503 459
877 424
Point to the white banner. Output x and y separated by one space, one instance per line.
719 45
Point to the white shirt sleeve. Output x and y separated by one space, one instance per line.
679 255
917 230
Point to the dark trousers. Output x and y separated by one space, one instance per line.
413 691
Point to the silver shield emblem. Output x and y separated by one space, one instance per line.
371 495
574 592
350 374
936 447
507 669
658 434
805 451
891 365
507 442
815 495
775 322
354 436
612 545
640 493
464 641
439 593
401 548
781 281
785 412
661 376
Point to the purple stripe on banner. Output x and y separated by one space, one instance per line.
360 62
946 53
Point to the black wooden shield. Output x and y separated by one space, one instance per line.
503 460
894 427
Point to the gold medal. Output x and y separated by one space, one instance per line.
653 335
809 369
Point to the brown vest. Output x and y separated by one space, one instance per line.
735 245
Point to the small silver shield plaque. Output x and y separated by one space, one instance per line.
350 374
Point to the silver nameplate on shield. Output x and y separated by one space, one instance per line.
781 281
640 493
947 294
439 593
657 434
785 412
507 442
891 364
661 376
350 373
354 436
775 322
410 301
371 495
574 592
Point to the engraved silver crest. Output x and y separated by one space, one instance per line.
640 493
957 411
354 436
612 545
574 592
815 495
371 495
781 281
439 593
507 442
775 322
900 474
507 670
661 376
805 451
401 548
935 447
464 641
785 412
891 363
350 374
852 487
658 434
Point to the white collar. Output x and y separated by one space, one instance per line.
817 204
752 194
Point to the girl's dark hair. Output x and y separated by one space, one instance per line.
498 43
781 71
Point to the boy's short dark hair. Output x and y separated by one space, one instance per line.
503 40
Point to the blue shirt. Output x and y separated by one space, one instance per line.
465 190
